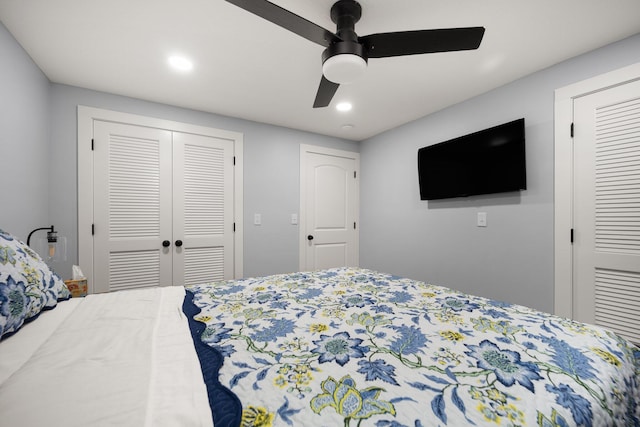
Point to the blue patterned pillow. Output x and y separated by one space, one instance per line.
63 292
27 284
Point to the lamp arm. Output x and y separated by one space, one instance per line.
38 229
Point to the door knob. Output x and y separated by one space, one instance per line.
166 243
178 243
309 237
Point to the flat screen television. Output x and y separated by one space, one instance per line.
484 162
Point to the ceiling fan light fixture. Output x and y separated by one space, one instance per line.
344 68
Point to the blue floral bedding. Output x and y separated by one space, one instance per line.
353 347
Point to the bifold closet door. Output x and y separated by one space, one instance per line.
132 207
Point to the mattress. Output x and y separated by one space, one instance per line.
338 347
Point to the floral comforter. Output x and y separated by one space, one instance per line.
353 347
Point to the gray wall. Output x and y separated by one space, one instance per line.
438 241
271 173
511 259
24 140
38 157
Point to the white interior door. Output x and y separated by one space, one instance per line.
606 185
202 209
132 206
329 208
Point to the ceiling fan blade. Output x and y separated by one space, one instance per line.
383 45
287 20
326 90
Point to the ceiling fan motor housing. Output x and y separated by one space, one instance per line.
345 14
345 60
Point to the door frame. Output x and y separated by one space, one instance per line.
304 149
563 177
86 117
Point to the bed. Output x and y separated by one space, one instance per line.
338 347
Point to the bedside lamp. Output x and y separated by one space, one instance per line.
54 248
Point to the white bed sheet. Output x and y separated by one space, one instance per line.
18 348
119 359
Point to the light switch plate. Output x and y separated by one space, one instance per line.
482 219
257 219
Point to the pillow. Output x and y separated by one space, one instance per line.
13 304
63 291
27 284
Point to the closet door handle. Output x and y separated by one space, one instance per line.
166 243
309 237
178 243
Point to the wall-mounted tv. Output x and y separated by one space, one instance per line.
484 162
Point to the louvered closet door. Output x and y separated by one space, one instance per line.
607 209
132 206
202 208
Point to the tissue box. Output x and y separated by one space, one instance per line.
78 288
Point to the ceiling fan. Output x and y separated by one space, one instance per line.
346 54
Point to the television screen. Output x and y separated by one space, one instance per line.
484 162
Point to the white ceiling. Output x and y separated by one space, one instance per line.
247 67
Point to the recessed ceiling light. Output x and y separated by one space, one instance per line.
344 106
180 63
